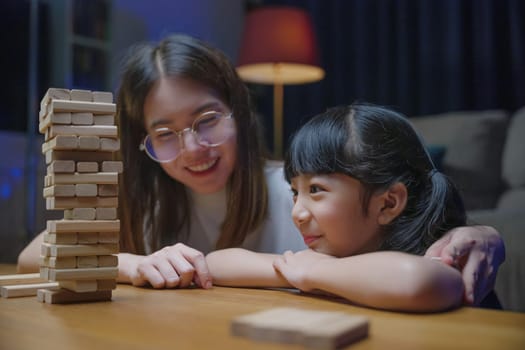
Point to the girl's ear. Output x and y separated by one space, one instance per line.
391 203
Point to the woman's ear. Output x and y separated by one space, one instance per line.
391 203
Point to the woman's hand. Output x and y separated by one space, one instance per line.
476 251
295 267
170 267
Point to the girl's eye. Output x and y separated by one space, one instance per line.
294 193
315 189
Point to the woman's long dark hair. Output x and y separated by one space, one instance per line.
151 202
379 147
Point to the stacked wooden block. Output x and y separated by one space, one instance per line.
82 179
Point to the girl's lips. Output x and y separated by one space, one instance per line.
310 239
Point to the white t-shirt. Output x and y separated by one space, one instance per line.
277 233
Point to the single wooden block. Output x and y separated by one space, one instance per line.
79 156
68 262
106 214
61 166
63 250
109 144
86 190
108 237
82 106
103 96
81 95
61 142
107 190
88 143
88 237
25 290
90 261
107 261
83 130
106 284
83 274
59 226
80 214
112 167
53 203
68 238
79 286
21 278
82 118
53 118
310 328
87 167
64 296
59 191
98 178
104 119
54 94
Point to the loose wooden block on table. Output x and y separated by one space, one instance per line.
25 290
21 278
310 328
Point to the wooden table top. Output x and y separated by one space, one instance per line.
141 318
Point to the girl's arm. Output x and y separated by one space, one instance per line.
387 280
238 267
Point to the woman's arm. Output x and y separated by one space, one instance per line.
29 258
386 280
238 267
477 251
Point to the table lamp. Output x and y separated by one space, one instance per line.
278 47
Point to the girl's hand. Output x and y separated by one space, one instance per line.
174 266
296 267
475 251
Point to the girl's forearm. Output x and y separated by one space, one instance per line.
238 267
390 280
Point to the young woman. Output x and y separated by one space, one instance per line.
362 182
196 177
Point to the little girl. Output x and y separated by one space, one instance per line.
368 202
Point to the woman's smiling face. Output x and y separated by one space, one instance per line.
175 103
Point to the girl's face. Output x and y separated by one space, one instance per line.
328 211
175 103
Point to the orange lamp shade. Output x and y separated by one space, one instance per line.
279 46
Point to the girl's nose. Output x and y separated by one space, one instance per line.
300 213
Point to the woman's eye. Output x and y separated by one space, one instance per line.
164 135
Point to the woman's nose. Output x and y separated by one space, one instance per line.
189 140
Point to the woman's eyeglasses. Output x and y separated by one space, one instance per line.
210 129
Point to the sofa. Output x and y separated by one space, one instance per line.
484 154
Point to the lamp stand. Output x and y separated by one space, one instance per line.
278 92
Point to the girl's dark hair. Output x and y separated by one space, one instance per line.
379 147
153 206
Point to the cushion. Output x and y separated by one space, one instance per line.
514 154
474 142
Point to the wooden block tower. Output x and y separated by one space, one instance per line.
82 179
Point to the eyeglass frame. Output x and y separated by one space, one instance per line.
180 135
